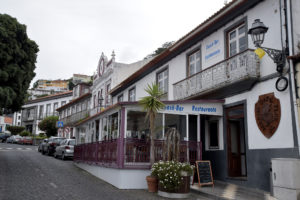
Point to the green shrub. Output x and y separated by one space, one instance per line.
25 133
15 130
49 125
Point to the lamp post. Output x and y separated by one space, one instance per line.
257 32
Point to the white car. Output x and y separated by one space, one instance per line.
65 149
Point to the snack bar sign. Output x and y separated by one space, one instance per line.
207 108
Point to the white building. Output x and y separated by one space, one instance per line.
108 75
17 118
36 110
4 123
221 97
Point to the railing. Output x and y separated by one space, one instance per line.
75 117
32 117
136 153
241 66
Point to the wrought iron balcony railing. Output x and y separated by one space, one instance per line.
242 66
75 117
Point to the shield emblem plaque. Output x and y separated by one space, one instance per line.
268 114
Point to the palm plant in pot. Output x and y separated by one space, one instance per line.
152 104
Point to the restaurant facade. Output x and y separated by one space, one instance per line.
229 106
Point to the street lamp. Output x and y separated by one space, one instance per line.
257 32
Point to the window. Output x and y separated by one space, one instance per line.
63 103
162 80
48 109
194 63
213 132
120 98
236 40
95 101
107 91
41 112
131 94
55 107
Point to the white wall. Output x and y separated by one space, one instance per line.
44 103
120 178
267 11
283 137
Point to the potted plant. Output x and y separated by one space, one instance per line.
173 178
152 104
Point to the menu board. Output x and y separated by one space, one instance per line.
204 173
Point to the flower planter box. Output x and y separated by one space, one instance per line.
182 192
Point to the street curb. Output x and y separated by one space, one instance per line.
208 195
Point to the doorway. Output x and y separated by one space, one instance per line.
236 148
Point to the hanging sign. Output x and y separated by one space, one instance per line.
268 114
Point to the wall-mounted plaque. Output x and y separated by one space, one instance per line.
268 114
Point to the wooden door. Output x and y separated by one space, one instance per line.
236 151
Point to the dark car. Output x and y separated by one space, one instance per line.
49 147
4 137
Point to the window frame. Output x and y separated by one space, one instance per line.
164 69
190 53
228 30
132 89
120 96
209 134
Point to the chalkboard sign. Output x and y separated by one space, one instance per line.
204 173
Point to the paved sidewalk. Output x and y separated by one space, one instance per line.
222 190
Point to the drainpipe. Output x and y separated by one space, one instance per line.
289 42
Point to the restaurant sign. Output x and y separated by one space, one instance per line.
201 108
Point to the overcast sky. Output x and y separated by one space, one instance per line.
71 34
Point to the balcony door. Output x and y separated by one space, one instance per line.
236 149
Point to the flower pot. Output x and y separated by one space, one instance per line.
184 187
152 183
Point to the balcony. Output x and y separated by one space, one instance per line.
74 118
134 155
42 116
233 75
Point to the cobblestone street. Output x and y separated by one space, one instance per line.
26 174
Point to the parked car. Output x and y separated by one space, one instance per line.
28 140
20 140
4 137
9 139
65 149
16 138
50 146
42 144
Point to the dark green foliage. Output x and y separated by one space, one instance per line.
161 49
25 133
15 130
70 84
17 63
49 125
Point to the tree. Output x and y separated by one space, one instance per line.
49 125
17 63
14 130
152 104
161 49
70 84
